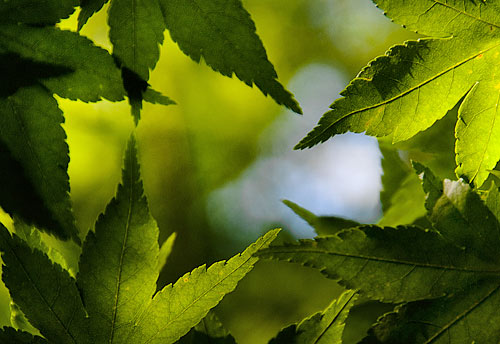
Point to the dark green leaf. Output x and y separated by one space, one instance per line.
460 215
94 75
118 269
45 292
381 263
88 8
136 31
34 156
36 12
12 336
209 331
223 34
467 317
321 328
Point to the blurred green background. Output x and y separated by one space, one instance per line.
217 165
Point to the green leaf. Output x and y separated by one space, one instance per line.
94 75
118 270
165 250
380 263
415 84
427 16
395 172
407 203
34 156
88 8
36 12
401 196
136 31
117 278
321 328
18 319
223 34
460 215
45 292
478 132
13 336
323 225
468 317
209 331
178 307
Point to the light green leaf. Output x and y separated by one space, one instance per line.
94 75
395 172
415 84
441 18
209 331
381 263
165 250
460 215
88 8
407 203
178 307
136 31
323 225
36 12
118 270
12 336
321 328
468 317
34 156
478 133
223 34
45 292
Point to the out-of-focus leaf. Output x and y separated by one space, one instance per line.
13 336
323 225
223 34
88 8
165 250
209 331
321 328
34 156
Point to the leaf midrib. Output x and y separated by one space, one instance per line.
465 13
40 293
206 292
402 94
383 260
122 253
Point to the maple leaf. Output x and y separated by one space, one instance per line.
113 298
220 32
414 84
321 328
447 277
